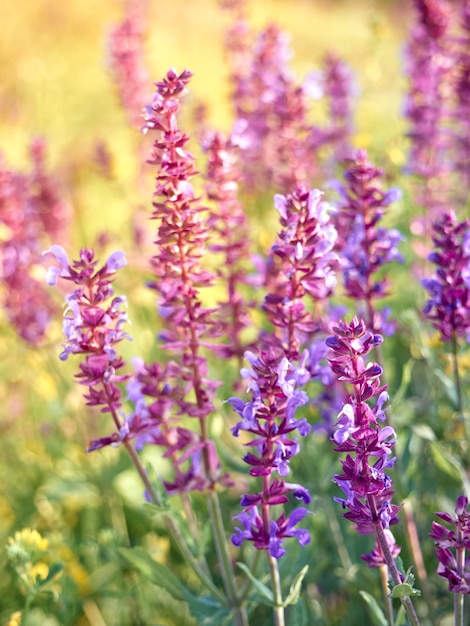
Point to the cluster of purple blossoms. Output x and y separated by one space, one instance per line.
93 326
429 61
455 566
181 240
229 227
363 246
368 446
31 211
126 59
270 418
303 264
336 83
462 94
449 305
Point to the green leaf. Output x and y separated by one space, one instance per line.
298 614
404 590
447 462
157 509
449 386
156 572
375 611
265 592
294 590
424 431
207 611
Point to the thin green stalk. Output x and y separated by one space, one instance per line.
172 527
385 591
169 523
278 610
226 567
392 568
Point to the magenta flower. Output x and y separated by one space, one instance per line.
364 246
451 547
368 446
31 212
270 418
229 227
449 304
303 264
429 62
182 241
93 326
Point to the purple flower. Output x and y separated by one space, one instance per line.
368 447
93 326
451 546
363 246
270 418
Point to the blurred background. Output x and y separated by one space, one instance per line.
56 84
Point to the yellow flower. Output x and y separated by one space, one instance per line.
29 540
15 619
39 569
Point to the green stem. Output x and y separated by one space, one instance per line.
385 591
278 610
228 575
27 608
392 568
172 527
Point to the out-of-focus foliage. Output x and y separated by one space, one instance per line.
55 84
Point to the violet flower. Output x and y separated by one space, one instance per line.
449 305
304 264
270 418
31 211
451 546
229 226
367 444
182 240
364 246
93 326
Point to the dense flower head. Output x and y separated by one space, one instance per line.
364 246
189 328
31 212
270 418
93 323
304 264
449 305
367 445
230 239
450 544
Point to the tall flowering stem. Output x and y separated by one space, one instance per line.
365 246
428 64
179 276
451 547
31 211
93 327
270 419
368 446
448 307
304 266
229 225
